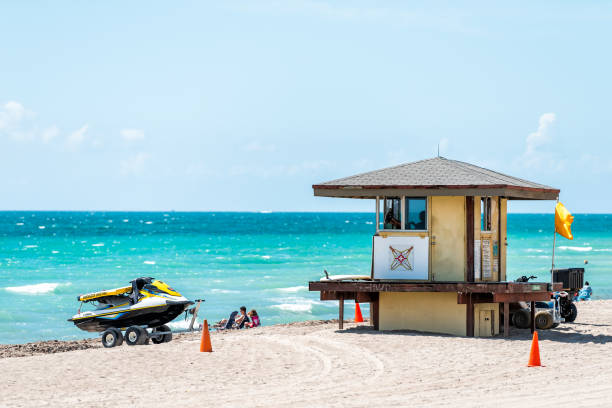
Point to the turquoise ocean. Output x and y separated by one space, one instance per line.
261 260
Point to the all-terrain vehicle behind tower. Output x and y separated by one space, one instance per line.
559 309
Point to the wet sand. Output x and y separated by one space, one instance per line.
314 364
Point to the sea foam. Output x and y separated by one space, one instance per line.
293 307
36 289
292 289
575 248
224 291
297 304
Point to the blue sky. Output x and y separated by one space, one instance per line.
243 105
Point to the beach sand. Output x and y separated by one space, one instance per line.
314 364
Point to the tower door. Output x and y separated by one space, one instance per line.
485 323
448 238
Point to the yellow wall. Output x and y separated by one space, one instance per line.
448 238
436 312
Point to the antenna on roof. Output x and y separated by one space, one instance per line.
438 149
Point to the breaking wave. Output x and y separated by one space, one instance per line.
224 291
297 305
292 289
36 289
575 248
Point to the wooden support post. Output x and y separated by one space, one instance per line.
532 316
469 238
469 318
374 310
506 319
341 312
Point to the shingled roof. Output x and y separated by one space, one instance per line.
437 176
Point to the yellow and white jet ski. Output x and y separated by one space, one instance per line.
147 302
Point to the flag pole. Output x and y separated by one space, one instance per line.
552 273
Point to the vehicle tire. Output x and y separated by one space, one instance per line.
521 319
167 337
157 339
543 320
119 337
111 338
135 336
573 313
162 338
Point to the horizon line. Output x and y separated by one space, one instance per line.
253 211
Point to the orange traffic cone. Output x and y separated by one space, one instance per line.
205 345
358 316
534 354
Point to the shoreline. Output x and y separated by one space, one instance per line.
55 346
312 363
43 347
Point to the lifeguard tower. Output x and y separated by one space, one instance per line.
439 251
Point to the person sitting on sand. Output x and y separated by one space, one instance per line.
242 319
238 320
254 319
585 292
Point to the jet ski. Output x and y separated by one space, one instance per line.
146 302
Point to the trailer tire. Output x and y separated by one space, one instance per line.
573 313
112 337
168 336
136 336
521 319
544 320
163 338
157 339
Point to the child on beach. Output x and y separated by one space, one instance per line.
254 319
585 292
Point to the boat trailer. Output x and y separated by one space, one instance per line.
139 335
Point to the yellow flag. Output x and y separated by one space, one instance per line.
563 221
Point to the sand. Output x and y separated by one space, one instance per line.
314 364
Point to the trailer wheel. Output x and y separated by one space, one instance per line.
573 313
168 336
157 338
543 320
521 319
111 338
135 336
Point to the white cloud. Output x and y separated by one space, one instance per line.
49 134
132 135
538 154
15 122
135 164
12 117
541 136
11 114
76 138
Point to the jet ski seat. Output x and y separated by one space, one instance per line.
113 300
137 285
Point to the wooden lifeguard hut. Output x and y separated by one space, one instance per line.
439 251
